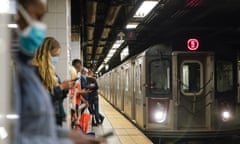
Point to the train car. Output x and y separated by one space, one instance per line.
180 96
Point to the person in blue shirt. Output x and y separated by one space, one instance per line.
36 124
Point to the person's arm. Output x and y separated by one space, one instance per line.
65 93
57 94
79 138
84 101
96 85
84 83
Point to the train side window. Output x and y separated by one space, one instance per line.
224 76
160 77
140 78
191 77
118 80
127 79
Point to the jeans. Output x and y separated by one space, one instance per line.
94 106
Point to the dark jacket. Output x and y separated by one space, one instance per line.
94 94
57 98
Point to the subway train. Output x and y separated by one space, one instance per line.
179 95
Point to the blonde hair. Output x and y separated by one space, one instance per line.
43 61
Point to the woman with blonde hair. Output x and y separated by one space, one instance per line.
45 59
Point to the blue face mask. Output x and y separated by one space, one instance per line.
54 61
31 37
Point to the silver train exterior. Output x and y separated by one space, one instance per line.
170 93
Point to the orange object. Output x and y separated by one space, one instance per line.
85 120
78 96
72 92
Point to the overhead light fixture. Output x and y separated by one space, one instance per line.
112 51
116 45
14 26
119 41
7 7
124 53
131 25
107 59
12 116
99 68
145 8
3 133
106 67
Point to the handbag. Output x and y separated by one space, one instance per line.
86 121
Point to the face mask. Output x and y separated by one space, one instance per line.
31 37
84 76
54 60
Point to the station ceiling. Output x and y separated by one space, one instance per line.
98 23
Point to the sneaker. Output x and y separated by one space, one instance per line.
102 118
95 124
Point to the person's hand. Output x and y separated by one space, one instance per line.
79 138
87 105
92 85
89 91
83 92
67 84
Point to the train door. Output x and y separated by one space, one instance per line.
127 91
238 86
108 86
132 88
122 88
139 99
158 91
193 89
119 94
115 88
111 86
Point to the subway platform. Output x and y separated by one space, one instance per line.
124 131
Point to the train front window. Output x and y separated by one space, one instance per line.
191 77
224 76
160 77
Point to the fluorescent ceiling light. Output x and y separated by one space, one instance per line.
112 51
131 25
12 26
106 67
12 116
119 41
7 7
107 59
110 55
100 67
116 45
145 8
3 133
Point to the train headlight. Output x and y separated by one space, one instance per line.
157 110
226 115
160 114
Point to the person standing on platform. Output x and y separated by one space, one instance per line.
77 92
45 59
93 99
36 123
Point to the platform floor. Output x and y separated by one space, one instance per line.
125 131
